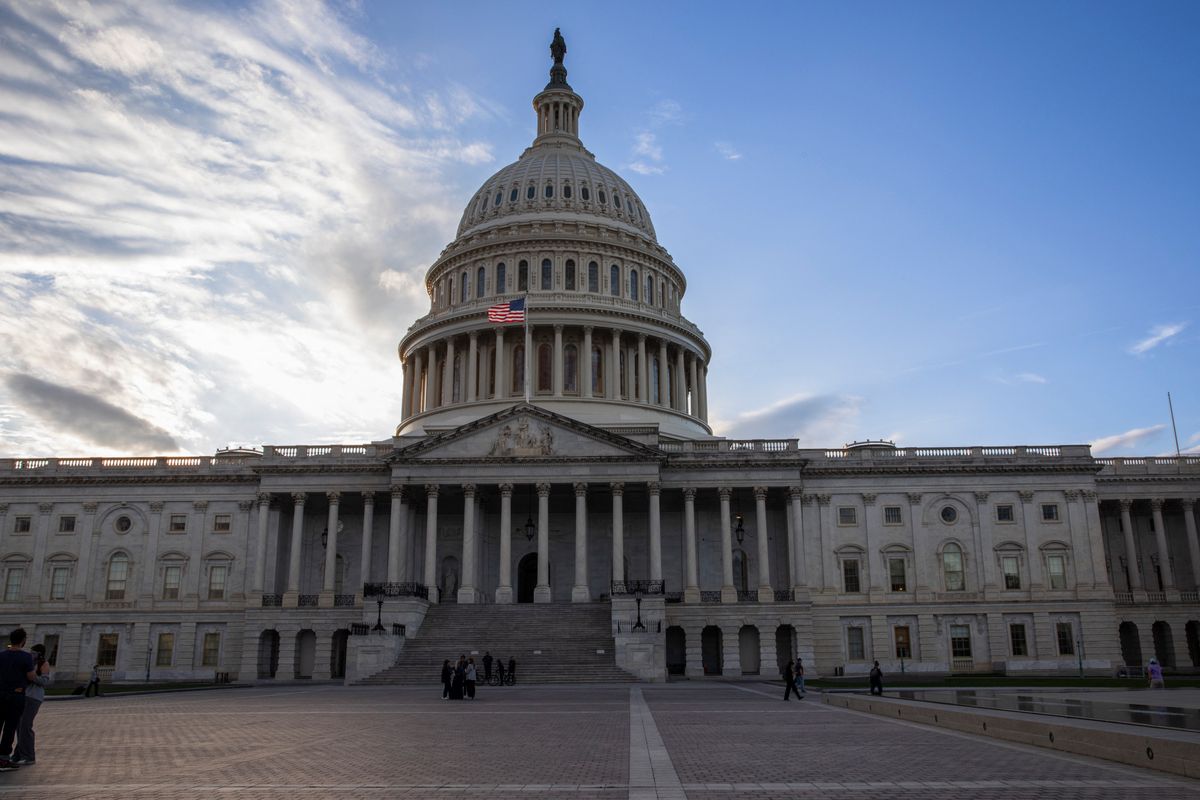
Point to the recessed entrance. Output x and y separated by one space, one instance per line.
710 650
527 570
676 651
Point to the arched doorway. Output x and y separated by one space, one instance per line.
1192 630
1131 646
306 653
710 650
676 650
268 654
527 570
785 646
748 651
448 580
337 654
1164 643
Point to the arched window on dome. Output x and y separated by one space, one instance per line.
456 379
530 192
549 191
501 278
523 276
450 294
480 282
482 205
633 285
593 277
514 194
584 193
547 275
567 191
617 201
518 370
499 199
545 368
653 378
600 195
598 370
571 369
650 289
662 290
462 288
614 280
569 275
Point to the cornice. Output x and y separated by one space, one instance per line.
119 480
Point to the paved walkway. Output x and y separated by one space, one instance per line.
703 742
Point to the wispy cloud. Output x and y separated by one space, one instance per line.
210 218
650 153
1127 439
666 112
727 151
815 420
1158 335
1031 377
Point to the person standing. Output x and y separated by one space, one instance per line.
470 676
500 670
512 669
447 675
876 679
35 693
93 682
17 671
789 681
1156 675
487 666
456 683
800 678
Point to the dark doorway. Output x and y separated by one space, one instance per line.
676 651
710 650
306 653
337 654
1131 646
527 570
1192 629
268 654
785 646
1164 644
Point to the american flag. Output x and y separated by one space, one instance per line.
512 311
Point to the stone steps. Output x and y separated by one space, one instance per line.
552 643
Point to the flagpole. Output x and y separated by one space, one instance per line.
1174 430
528 345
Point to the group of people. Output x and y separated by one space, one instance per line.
459 678
24 676
793 679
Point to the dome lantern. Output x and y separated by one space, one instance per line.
557 105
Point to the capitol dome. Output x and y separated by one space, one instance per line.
605 340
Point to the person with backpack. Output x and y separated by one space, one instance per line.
876 679
789 681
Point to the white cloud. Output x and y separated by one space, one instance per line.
815 420
666 112
727 151
646 144
1031 377
210 222
1158 335
1127 439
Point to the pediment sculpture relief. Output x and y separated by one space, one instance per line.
524 439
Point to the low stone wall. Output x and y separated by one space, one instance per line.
1166 751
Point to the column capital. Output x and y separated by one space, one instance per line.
689 494
506 490
200 505
473 335
760 492
298 498
1156 504
263 498
724 492
581 489
807 499
1026 496
543 490
157 506
1188 503
1071 495
981 497
617 488
1125 504
368 498
243 505
558 327
868 499
587 328
4 508
468 489
398 492
914 498
1088 495
88 507
431 489
334 497
641 338
653 487
795 492
823 499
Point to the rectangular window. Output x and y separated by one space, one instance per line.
891 515
1016 640
222 523
1005 513
1011 566
118 573
1049 512
106 650
847 515
850 576
1057 567
166 650
216 583
172 578
211 654
569 276
66 524
594 278
960 641
897 573
952 569
12 583
854 644
903 642
22 524
59 576
501 279
50 641
547 275
178 523
1066 639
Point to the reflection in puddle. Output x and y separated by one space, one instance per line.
1135 713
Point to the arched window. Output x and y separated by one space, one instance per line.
593 277
549 190
650 289
952 568
653 379
662 291
597 370
501 279
523 276
571 369
633 285
518 369
118 576
614 280
567 191
584 193
499 198
617 201
450 294
545 369
480 280
569 275
462 288
547 275
530 192
512 196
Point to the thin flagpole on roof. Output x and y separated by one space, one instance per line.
528 345
1171 407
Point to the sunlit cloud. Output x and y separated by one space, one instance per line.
814 420
727 151
1122 440
1158 335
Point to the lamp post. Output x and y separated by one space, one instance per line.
379 617
637 597
149 652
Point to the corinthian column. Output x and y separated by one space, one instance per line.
643 391
1131 557
765 593
585 362
691 591
501 378
728 590
655 490
664 386
1160 538
293 580
329 583
466 591
618 531
580 593
431 501
541 592
504 590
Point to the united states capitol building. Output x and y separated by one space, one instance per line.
564 469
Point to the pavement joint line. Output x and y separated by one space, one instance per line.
652 776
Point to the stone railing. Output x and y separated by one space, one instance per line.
791 446
192 465
1150 465
1123 598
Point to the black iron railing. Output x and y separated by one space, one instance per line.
360 629
397 629
673 597
785 595
272 600
308 600
396 590
710 597
747 595
633 587
343 601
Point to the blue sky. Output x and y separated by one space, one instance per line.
941 223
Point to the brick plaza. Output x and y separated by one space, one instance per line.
707 741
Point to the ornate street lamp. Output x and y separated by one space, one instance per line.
740 530
325 535
530 528
379 617
637 596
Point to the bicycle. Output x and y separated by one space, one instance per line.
496 680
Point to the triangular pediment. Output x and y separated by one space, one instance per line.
526 433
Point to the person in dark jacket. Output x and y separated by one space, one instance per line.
447 674
789 681
487 665
876 679
460 677
512 668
